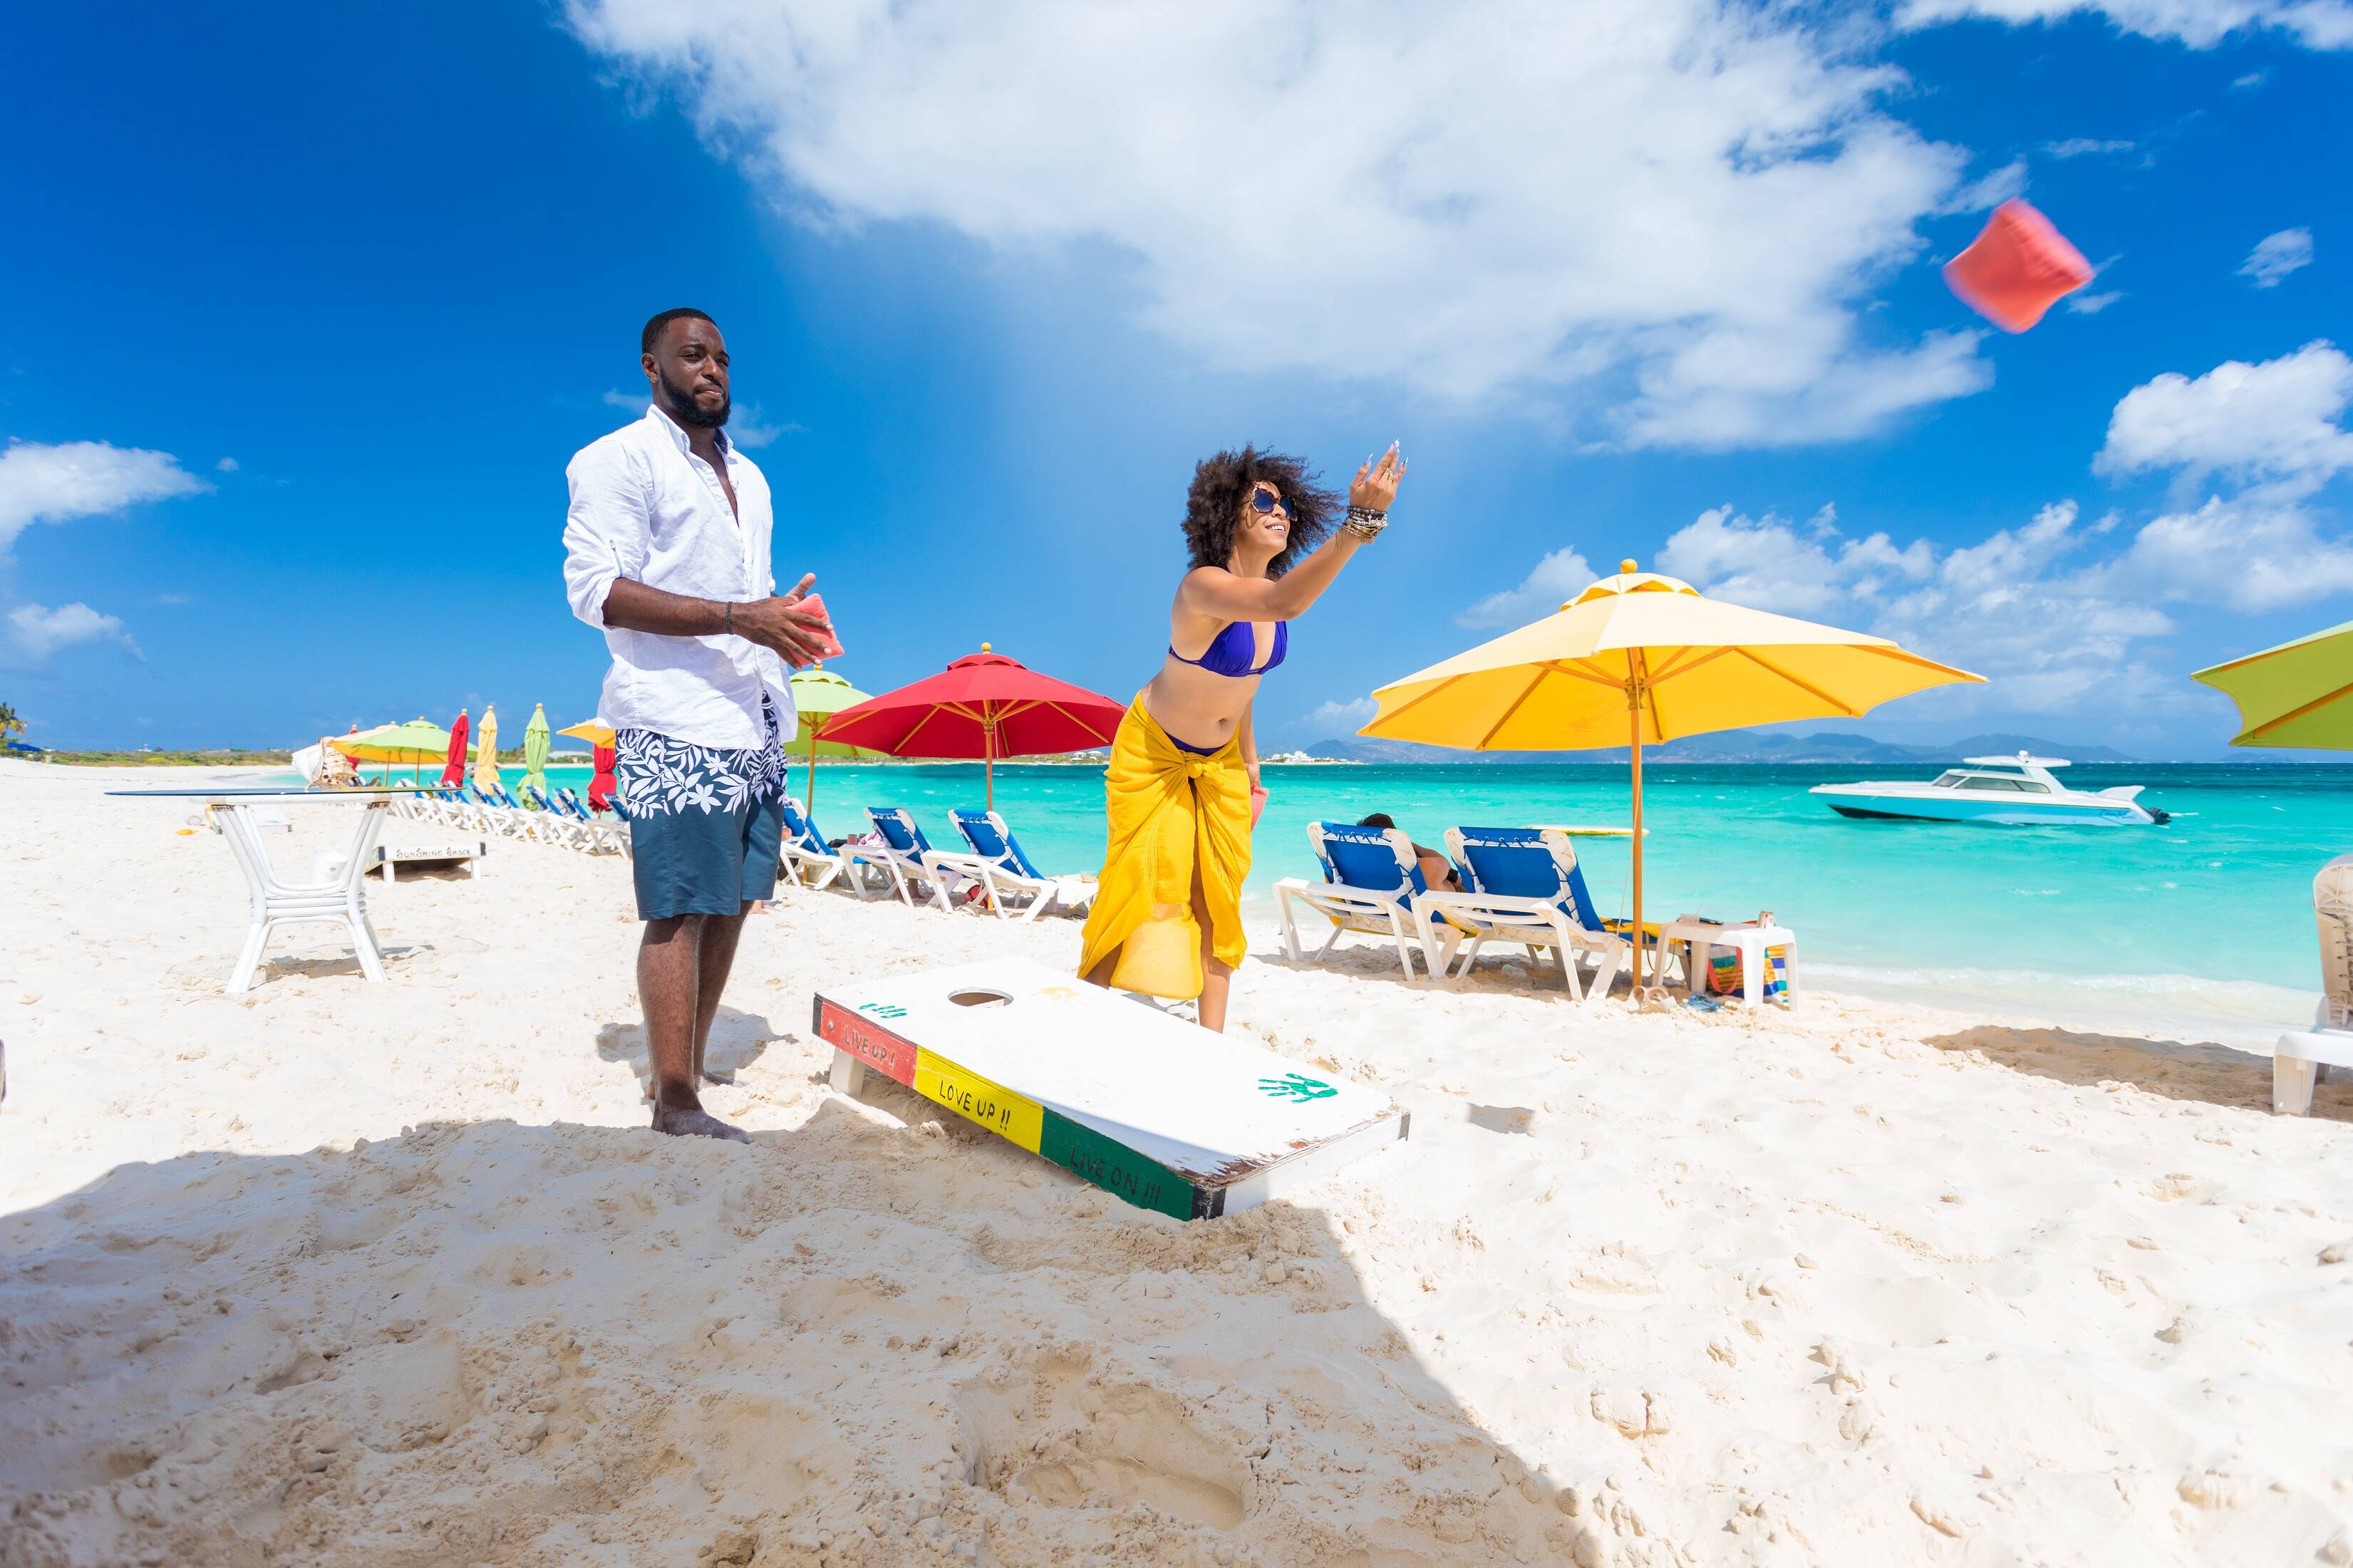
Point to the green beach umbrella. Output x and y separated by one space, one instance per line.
417 742
820 694
2298 694
535 742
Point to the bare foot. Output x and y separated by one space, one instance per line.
682 1121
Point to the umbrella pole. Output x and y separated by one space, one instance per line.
988 763
1634 704
810 805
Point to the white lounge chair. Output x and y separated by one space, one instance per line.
804 851
904 859
1371 878
1524 885
1003 868
2297 1064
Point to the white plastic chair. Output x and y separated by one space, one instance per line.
335 898
2300 1059
803 850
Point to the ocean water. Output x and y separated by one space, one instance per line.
2203 926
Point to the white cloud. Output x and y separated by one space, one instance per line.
2011 608
1775 565
2251 79
2276 420
635 402
38 631
2092 304
2085 147
82 478
2201 24
2251 554
1339 718
2278 255
227 465
1558 578
1662 214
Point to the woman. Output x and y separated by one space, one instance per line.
1183 766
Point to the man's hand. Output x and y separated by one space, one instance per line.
1375 484
797 636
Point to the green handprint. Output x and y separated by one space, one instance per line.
1297 1088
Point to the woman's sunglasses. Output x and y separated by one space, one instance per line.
1263 501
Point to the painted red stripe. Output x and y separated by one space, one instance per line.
867 1040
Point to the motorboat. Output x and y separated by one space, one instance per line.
2009 790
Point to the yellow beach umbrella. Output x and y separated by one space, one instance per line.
1639 659
596 732
2298 694
818 694
486 751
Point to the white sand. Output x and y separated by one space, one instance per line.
345 1274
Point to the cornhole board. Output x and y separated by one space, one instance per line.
1162 1113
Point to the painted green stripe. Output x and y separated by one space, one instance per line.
1115 1168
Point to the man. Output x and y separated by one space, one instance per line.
666 550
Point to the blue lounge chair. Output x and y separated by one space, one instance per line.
1003 868
1524 885
803 849
903 859
1371 883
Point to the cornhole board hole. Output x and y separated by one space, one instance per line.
1163 1113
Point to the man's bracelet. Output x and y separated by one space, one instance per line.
731 618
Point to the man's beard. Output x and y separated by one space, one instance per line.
678 402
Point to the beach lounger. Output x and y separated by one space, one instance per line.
604 832
552 825
805 851
1371 878
2302 1058
1524 885
903 859
1003 868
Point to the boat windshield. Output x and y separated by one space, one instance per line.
2002 781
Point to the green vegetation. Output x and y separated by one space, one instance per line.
11 725
224 757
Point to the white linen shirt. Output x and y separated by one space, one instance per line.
646 508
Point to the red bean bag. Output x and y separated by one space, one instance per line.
2016 269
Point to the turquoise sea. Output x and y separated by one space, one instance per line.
2203 926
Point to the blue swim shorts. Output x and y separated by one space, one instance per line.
706 823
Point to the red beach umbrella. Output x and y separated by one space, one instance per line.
983 705
454 770
602 784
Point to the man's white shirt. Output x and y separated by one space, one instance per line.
646 508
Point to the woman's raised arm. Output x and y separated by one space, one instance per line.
1216 592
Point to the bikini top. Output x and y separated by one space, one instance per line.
1230 651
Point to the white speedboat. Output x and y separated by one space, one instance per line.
2019 789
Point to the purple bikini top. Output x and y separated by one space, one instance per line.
1230 651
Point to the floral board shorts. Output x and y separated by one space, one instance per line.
706 823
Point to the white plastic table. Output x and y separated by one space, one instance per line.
1749 938
337 900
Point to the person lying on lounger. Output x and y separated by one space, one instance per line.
1437 872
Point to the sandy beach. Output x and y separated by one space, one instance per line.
334 1273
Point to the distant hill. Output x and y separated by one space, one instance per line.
1735 746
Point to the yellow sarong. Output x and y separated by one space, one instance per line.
1171 811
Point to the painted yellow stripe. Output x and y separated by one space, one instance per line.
971 1096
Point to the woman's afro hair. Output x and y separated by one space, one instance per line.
1222 483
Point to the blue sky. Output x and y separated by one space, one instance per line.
309 306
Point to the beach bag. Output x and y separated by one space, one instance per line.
1723 974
